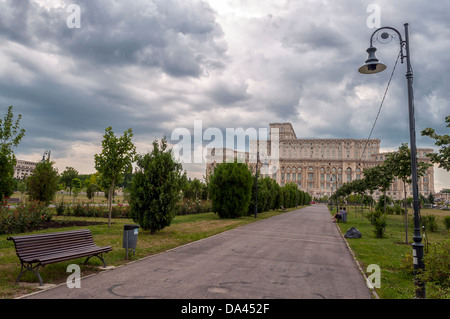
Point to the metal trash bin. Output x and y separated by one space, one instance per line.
130 235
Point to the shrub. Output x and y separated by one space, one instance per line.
447 222
398 209
24 218
60 208
406 264
189 206
155 189
231 189
390 210
89 210
43 183
121 211
437 270
378 220
429 222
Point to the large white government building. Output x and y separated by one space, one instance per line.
318 166
23 169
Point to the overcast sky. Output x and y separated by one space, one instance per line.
155 66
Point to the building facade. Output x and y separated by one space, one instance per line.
443 196
24 169
318 166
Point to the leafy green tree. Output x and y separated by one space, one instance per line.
193 189
91 189
277 195
43 183
264 196
10 136
358 187
379 177
155 188
116 159
230 189
273 193
77 184
399 163
442 158
431 198
68 176
22 188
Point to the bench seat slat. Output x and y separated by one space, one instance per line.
30 253
48 259
45 240
55 239
57 234
53 246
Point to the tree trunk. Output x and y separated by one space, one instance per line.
111 190
362 207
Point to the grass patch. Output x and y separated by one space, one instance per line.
389 251
184 229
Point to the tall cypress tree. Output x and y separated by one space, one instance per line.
155 188
230 189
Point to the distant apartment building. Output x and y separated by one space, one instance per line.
442 196
318 166
24 169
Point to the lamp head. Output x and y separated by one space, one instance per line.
372 64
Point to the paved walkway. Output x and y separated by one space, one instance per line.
295 255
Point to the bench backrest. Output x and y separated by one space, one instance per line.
42 244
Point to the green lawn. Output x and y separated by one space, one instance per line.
184 229
389 251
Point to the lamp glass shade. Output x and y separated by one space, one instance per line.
371 68
372 64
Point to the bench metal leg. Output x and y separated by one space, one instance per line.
99 256
30 267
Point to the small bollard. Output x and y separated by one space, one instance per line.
130 234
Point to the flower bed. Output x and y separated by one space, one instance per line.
187 207
24 217
92 210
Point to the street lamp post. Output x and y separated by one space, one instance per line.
256 184
371 66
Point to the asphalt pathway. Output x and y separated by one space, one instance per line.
295 255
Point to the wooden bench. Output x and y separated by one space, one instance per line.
14 200
43 249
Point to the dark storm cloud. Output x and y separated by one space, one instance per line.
158 65
89 93
172 36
